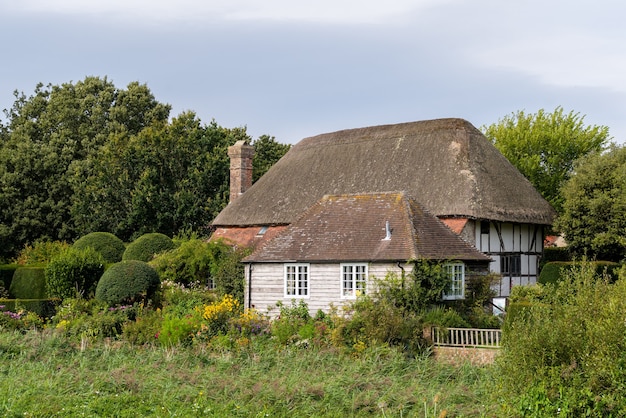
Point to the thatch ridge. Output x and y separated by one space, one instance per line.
447 165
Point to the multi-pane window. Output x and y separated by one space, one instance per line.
456 273
511 265
353 280
297 280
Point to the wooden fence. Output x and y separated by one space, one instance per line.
466 337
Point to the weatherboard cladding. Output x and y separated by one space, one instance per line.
353 228
447 164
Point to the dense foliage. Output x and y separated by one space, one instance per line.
128 282
197 262
554 271
147 246
40 252
108 245
267 152
84 157
563 353
544 146
594 212
74 273
49 135
167 178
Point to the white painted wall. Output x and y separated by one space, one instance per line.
268 283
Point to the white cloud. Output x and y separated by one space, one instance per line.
323 11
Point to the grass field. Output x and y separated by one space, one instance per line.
43 374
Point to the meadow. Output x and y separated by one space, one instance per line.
46 374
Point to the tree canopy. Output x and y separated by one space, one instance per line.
85 157
594 210
544 146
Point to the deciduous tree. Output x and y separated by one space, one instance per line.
594 210
543 146
46 135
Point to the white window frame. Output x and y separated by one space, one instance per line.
353 279
297 280
456 273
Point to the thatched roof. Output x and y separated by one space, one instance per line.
448 165
354 228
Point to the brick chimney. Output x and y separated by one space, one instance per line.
240 168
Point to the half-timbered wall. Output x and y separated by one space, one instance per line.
515 248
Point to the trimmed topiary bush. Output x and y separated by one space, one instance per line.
28 283
74 273
127 282
147 246
111 247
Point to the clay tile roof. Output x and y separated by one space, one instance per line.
353 228
448 165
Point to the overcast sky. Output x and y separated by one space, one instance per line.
293 69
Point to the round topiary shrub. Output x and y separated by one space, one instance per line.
111 247
127 282
147 246
74 273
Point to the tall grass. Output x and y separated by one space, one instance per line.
45 374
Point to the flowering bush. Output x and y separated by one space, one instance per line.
217 315
20 320
80 318
250 323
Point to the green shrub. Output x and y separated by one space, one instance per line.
147 246
111 247
567 352
90 320
213 264
74 273
181 300
175 330
553 272
373 321
144 329
445 317
41 252
28 283
293 323
127 282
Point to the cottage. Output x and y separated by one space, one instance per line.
335 249
446 166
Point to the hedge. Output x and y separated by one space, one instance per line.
28 283
552 272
